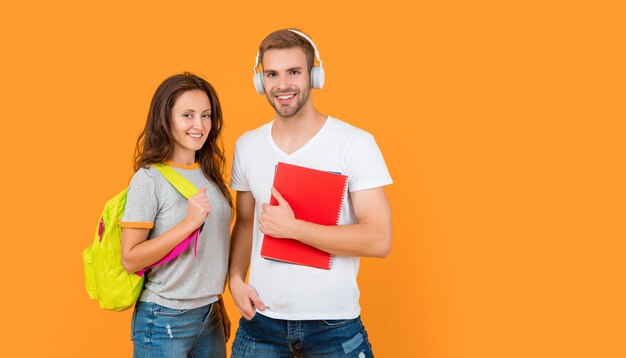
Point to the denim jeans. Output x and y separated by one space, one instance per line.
264 337
161 332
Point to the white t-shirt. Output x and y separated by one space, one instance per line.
297 292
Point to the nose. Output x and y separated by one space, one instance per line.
283 82
197 121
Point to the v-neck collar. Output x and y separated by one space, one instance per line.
302 148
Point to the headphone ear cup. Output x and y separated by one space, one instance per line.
317 77
258 83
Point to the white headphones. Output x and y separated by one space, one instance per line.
317 72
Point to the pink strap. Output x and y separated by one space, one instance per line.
176 251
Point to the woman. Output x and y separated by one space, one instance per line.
179 312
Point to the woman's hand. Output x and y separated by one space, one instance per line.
198 209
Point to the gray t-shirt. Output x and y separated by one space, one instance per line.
187 281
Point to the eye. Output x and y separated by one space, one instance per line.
206 115
295 72
271 74
187 115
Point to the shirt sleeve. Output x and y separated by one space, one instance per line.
366 165
238 179
141 202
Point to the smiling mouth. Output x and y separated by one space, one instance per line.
285 98
195 135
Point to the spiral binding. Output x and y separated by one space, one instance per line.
343 197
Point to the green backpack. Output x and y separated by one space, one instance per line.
106 279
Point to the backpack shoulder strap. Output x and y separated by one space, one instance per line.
178 181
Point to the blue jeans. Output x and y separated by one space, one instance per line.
264 337
161 332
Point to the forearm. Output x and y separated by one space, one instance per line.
361 239
145 253
369 236
241 246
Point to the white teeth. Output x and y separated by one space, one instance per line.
193 135
285 97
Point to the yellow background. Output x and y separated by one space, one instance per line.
502 123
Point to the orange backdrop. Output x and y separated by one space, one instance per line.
502 124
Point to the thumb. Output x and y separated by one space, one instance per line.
203 190
279 198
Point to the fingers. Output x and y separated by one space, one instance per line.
199 207
200 198
261 219
199 194
266 207
256 301
244 305
250 303
246 311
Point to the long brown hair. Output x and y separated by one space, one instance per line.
155 143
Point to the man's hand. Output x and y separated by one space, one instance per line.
278 220
246 299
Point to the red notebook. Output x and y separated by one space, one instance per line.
315 196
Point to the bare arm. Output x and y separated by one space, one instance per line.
370 236
245 297
139 252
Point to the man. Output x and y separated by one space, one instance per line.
292 310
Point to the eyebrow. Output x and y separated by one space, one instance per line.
289 69
191 110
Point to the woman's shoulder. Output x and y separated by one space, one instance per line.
144 172
147 175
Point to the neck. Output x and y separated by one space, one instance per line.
290 134
183 157
299 123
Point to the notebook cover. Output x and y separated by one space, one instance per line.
314 196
